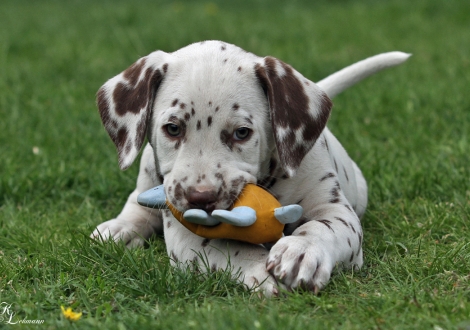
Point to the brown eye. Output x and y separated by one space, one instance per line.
241 133
173 130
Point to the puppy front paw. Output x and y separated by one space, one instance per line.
263 282
132 234
297 262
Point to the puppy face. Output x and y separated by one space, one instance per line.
215 115
210 129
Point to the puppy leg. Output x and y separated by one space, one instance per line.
247 260
307 258
135 223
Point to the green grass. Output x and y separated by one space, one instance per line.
407 128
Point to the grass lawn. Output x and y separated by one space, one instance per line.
408 129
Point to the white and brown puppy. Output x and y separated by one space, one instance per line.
216 118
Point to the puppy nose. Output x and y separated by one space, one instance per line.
202 198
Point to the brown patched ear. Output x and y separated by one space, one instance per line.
299 110
125 104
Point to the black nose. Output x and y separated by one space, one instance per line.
202 198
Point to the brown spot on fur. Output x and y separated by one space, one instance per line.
193 112
217 109
226 139
235 106
132 97
187 116
345 174
121 137
182 106
238 181
352 228
128 148
291 114
326 145
342 221
303 233
205 242
179 192
237 253
198 126
296 267
335 194
239 69
132 74
141 131
326 223
175 102
327 176
209 121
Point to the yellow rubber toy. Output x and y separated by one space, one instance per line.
256 217
266 229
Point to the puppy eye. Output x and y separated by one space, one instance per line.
173 130
241 133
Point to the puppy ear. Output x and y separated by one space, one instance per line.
298 108
125 104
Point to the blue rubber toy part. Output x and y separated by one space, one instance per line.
241 216
288 214
200 217
154 198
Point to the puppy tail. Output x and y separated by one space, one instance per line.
345 78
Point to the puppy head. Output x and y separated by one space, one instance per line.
215 116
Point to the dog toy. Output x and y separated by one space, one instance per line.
256 216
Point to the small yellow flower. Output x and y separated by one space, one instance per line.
70 315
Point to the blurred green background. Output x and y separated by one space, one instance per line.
407 128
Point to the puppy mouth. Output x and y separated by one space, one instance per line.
208 208
220 201
207 197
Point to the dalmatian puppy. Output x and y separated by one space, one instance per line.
216 118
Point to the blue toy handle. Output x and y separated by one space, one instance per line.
154 198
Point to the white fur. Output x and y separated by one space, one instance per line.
328 184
